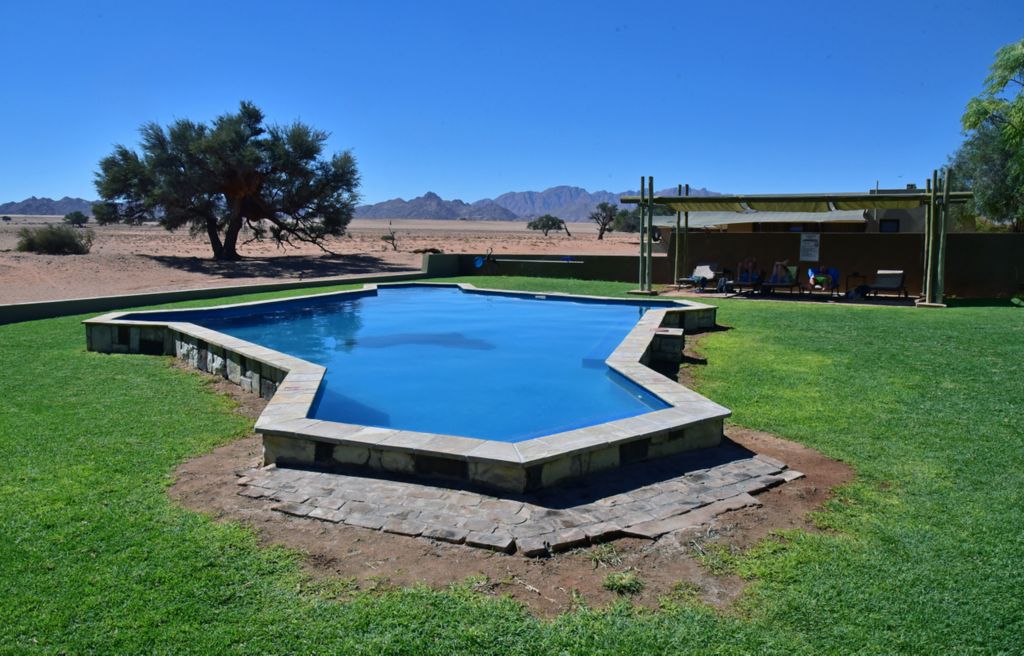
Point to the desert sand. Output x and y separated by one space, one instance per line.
130 259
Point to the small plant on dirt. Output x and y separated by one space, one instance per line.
333 588
604 555
391 237
683 593
474 583
624 583
577 602
685 590
379 583
716 557
54 240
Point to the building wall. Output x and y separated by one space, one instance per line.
978 265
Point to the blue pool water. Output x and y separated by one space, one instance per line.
440 360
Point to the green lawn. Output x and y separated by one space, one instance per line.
924 554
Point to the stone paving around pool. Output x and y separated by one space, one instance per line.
644 500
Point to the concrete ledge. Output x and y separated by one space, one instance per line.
291 438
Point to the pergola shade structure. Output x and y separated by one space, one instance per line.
748 207
704 220
784 203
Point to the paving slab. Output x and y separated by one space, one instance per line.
499 541
645 500
657 528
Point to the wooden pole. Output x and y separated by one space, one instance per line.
686 231
930 292
650 230
925 245
675 269
940 264
641 208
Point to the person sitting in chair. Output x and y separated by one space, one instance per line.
746 271
819 277
780 272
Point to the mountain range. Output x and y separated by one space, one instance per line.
565 202
47 206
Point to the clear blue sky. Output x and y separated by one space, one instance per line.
474 99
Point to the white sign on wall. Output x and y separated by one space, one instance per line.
810 246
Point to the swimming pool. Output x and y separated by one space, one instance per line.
440 360
507 390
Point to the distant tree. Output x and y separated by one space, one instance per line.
991 159
76 219
235 172
604 217
547 223
5 219
627 221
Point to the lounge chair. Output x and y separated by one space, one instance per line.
702 274
748 282
788 281
888 280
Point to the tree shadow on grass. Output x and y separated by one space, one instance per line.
285 266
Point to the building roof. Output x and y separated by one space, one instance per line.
906 199
712 219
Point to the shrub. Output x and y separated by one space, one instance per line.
5 219
55 240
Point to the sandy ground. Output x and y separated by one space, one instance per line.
130 259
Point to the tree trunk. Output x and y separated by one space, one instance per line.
600 232
214 235
234 226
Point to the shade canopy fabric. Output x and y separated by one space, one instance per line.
788 203
710 219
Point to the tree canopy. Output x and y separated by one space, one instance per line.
235 172
991 160
76 218
547 223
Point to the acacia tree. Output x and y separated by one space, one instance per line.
604 217
547 223
76 218
984 165
992 157
235 172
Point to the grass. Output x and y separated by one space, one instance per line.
624 583
922 554
603 555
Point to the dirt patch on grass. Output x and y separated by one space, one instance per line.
547 586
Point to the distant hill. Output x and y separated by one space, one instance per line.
565 202
45 206
432 206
